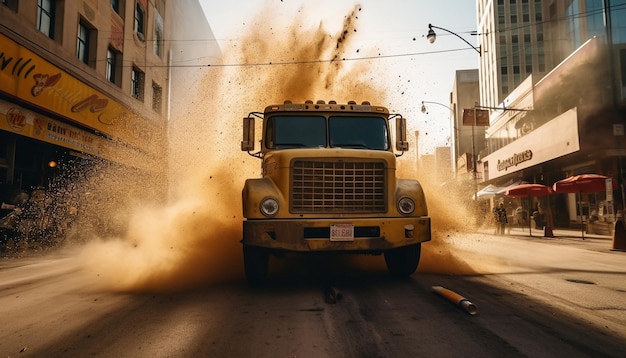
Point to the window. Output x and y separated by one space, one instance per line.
110 70
113 69
11 4
139 22
158 34
358 132
82 44
136 83
622 64
285 132
45 17
118 7
157 97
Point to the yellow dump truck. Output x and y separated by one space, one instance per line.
328 184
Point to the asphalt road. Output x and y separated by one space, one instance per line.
535 297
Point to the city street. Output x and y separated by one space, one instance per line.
535 297
155 154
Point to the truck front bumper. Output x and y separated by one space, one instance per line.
370 235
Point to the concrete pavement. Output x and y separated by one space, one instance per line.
572 237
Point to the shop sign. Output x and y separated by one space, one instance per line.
515 159
26 76
18 120
475 117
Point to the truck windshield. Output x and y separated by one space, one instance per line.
358 132
284 132
295 132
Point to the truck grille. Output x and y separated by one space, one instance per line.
338 187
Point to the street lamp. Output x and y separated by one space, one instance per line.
455 135
432 36
424 110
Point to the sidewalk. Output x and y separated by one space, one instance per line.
557 233
564 236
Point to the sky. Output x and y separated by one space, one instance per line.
395 30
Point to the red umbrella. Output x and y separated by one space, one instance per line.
524 190
528 190
583 183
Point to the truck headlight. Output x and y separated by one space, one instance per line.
269 206
406 205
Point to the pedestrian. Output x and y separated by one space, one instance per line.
539 217
499 213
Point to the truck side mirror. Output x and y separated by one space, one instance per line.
247 144
401 143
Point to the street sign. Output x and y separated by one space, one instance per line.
482 117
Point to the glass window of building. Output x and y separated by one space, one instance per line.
112 66
140 14
622 58
618 21
82 42
157 97
11 4
115 5
158 34
136 83
45 17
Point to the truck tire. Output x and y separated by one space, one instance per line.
256 262
403 261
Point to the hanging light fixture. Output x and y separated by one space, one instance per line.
432 36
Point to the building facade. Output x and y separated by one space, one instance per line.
512 37
467 141
569 120
81 81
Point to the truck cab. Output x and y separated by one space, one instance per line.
328 184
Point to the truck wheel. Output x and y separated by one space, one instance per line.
403 261
255 262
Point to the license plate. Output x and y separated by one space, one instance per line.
341 232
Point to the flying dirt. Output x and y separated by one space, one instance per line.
193 237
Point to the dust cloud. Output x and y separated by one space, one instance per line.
193 237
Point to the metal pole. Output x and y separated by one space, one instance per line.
474 157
